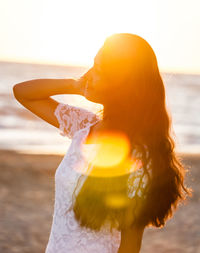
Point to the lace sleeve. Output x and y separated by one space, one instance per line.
73 118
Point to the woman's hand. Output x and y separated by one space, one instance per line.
83 81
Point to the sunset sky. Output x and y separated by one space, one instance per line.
71 32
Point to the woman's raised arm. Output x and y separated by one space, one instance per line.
37 89
35 95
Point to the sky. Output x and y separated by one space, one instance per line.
71 32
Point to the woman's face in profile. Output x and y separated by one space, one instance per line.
94 88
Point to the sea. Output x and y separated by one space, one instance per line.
23 131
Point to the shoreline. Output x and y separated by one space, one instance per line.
34 152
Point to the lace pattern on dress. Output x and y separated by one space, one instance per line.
73 118
139 179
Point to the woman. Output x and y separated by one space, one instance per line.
125 79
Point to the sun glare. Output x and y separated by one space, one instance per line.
71 32
79 33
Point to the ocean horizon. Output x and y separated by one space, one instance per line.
22 131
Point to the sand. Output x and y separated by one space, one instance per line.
27 199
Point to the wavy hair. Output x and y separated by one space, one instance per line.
129 66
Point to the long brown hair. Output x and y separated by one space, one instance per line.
129 71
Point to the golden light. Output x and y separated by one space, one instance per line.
111 158
116 200
79 33
113 148
71 32
66 32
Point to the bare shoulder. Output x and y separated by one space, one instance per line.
131 239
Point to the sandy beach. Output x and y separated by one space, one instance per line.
27 198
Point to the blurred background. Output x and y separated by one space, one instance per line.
59 39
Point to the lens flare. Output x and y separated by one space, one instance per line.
113 150
111 158
116 200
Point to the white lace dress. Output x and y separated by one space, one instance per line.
66 235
